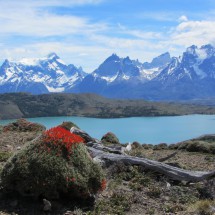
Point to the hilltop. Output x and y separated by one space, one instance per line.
17 105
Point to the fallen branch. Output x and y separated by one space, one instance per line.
115 154
170 171
168 157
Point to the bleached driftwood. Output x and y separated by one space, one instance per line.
156 166
107 154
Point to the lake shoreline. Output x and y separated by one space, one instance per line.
18 105
150 130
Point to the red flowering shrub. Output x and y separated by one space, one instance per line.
56 163
61 140
103 184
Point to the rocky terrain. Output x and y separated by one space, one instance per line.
131 189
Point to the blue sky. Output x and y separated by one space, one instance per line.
86 32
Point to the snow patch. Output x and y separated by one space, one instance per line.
29 61
187 73
199 72
55 90
126 77
60 61
109 78
201 53
150 73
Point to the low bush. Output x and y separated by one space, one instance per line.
203 207
147 146
110 138
4 156
24 126
160 146
136 145
55 164
197 146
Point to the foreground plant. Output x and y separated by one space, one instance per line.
56 163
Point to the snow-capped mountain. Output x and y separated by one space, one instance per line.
37 76
116 73
164 78
195 64
188 77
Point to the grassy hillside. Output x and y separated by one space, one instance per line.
16 105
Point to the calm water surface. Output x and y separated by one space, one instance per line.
142 129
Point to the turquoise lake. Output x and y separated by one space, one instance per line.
152 130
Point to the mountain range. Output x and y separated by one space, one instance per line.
189 76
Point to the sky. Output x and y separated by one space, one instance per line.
86 32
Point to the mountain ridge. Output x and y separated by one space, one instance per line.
187 77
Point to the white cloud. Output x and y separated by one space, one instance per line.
88 43
30 22
158 16
193 32
46 3
147 35
183 18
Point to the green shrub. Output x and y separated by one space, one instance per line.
160 146
198 147
119 203
203 207
154 192
56 163
4 156
147 146
136 145
172 146
24 126
110 138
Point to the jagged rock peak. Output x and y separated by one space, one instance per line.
52 55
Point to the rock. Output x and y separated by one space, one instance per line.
168 185
128 148
68 213
9 147
166 198
87 138
47 205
